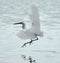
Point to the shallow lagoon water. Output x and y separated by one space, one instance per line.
46 49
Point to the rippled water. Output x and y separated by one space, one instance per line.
46 49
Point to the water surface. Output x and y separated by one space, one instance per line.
46 49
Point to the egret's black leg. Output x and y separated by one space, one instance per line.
35 39
24 44
29 42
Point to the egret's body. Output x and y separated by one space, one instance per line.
26 34
35 30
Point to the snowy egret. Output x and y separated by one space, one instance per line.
35 30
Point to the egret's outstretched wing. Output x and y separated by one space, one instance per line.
35 18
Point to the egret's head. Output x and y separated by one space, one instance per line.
23 24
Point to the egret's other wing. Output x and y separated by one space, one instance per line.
35 18
26 34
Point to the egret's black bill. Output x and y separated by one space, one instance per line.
23 24
18 23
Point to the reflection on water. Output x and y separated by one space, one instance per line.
46 49
28 59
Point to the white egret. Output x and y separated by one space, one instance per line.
35 30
